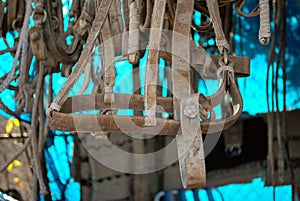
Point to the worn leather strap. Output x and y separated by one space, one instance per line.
180 53
151 78
95 30
2 14
12 6
108 62
186 106
190 145
74 49
55 48
134 33
221 42
116 26
204 13
239 7
125 8
17 23
23 34
149 15
264 29
84 22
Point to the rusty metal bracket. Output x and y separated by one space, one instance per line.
190 145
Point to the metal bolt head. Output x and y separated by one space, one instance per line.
35 36
134 58
264 41
82 24
190 111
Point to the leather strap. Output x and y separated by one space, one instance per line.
151 78
221 42
11 13
190 145
53 43
84 22
189 139
204 13
116 26
23 34
17 23
239 6
108 62
2 14
95 30
125 6
149 15
134 33
264 29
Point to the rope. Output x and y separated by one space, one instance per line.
34 142
239 6
274 112
19 152
8 50
24 55
9 111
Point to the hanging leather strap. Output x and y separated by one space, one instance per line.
180 53
149 14
95 30
108 62
117 27
23 34
84 22
2 15
115 18
264 29
125 7
263 10
151 79
221 42
190 145
12 7
134 32
54 47
17 22
186 106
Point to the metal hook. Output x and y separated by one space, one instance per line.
226 57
